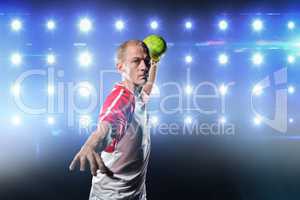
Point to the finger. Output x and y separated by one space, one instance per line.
93 165
100 163
73 163
82 163
103 169
154 61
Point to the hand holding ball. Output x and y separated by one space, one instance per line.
157 46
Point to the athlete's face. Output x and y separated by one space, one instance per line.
135 65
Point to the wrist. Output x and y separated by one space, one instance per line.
93 141
154 62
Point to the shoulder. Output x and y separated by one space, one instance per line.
119 97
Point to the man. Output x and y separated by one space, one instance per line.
118 151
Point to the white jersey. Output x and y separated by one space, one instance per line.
127 154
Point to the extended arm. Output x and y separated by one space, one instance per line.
88 151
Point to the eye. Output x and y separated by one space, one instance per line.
136 61
148 61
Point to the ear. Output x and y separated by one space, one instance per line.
120 67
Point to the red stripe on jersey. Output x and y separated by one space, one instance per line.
117 110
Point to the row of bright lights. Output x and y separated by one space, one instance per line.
86 25
257 59
86 120
257 90
85 89
85 59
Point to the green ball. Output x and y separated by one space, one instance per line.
157 46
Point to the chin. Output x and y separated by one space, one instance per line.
141 82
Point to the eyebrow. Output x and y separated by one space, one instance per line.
137 57
147 57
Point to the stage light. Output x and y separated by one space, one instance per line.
50 120
188 59
51 25
291 89
291 59
257 25
84 121
188 25
154 25
15 90
154 120
85 25
188 120
223 89
223 25
291 120
257 120
51 59
51 90
257 90
291 25
16 25
222 120
85 89
188 89
85 59
16 120
223 59
119 25
16 59
257 59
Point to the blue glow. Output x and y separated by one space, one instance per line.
85 59
16 25
16 59
257 59
51 25
223 59
257 120
257 90
51 120
154 25
223 25
85 25
51 59
291 89
16 120
223 89
188 120
291 59
188 89
188 25
120 25
257 25
291 25
188 59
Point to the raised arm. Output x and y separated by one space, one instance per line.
151 77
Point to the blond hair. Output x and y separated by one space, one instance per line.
121 51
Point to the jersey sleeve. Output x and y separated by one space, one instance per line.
117 111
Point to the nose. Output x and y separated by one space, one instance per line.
143 65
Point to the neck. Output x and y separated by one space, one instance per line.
135 89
